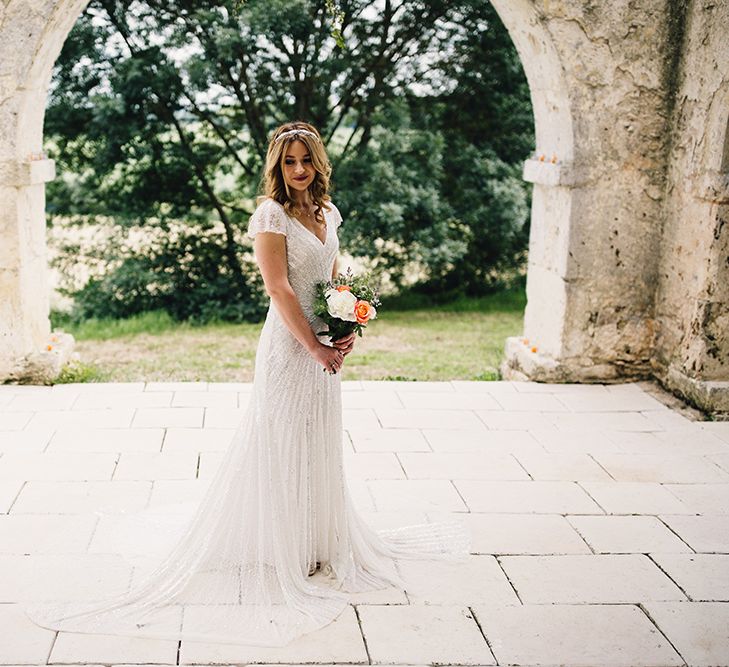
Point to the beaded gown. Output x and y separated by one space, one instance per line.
277 505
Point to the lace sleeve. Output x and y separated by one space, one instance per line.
268 217
336 215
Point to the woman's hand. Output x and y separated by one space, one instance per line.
329 357
345 344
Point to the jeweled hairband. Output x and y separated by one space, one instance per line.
290 133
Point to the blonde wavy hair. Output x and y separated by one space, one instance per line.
275 186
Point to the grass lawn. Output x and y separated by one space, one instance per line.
461 340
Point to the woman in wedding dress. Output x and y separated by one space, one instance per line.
278 508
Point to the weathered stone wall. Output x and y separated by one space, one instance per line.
692 303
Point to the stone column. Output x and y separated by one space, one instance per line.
24 324
692 302
597 209
33 32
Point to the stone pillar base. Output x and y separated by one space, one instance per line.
42 366
711 396
522 364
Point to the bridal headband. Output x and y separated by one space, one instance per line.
291 133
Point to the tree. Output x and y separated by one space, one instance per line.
161 111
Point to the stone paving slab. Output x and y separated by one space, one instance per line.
428 418
30 644
497 442
522 534
372 465
447 400
46 533
661 468
196 440
721 459
704 534
703 577
116 399
102 418
156 465
70 577
479 580
432 634
598 578
555 466
698 630
514 420
205 399
371 399
719 429
81 497
526 496
361 418
164 417
702 498
376 439
59 466
575 441
171 491
542 403
79 439
695 439
567 634
591 507
635 498
414 494
12 420
77 647
219 418
628 534
461 465
25 441
340 641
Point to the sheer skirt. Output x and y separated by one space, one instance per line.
238 567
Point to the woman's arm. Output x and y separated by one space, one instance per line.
270 251
334 269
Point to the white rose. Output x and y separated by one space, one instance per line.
341 304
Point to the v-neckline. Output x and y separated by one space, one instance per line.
306 229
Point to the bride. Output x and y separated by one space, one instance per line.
244 569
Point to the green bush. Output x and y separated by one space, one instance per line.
186 275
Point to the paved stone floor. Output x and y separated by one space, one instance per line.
599 518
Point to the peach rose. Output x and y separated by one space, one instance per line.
363 311
342 288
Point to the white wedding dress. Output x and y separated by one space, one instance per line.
277 505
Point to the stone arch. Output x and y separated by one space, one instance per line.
43 36
603 89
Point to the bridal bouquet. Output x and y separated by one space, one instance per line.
346 303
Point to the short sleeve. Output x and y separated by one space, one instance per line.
269 216
336 215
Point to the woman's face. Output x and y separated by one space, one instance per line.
298 170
